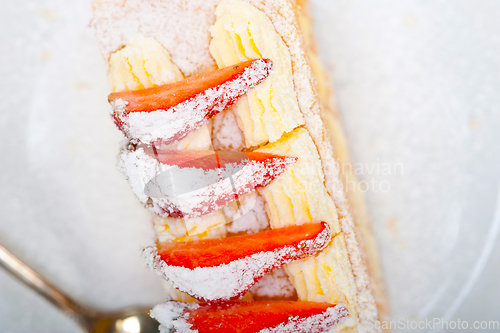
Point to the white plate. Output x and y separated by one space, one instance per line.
418 88
417 85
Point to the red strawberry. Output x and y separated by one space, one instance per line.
166 114
194 183
250 317
216 270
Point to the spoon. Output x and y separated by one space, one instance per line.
131 320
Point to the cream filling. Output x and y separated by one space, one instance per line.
299 196
242 32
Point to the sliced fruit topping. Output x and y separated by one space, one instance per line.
215 252
216 270
167 113
195 183
250 317
169 95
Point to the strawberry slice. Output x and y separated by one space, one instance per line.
168 113
250 317
206 159
216 270
194 183
215 252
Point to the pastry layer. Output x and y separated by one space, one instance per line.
339 143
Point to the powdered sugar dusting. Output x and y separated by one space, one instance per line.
247 215
173 124
314 324
275 284
119 106
229 281
171 316
227 135
179 26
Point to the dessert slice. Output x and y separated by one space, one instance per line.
168 113
216 270
194 183
283 114
249 317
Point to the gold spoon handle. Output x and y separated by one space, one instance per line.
79 313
